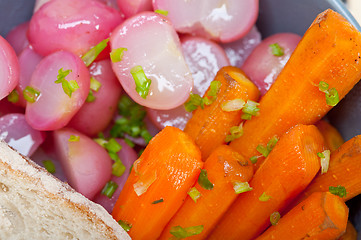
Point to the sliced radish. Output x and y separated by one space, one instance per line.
18 134
95 116
17 37
152 44
239 50
73 25
263 67
87 165
127 155
53 109
132 7
219 20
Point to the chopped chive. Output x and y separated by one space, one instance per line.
254 159
274 218
158 201
264 197
68 86
49 166
338 191
320 155
272 143
323 86
30 94
126 226
276 50
233 105
118 168
90 97
194 194
62 75
180 232
246 116
251 108
116 55
162 12
89 57
129 142
235 132
262 150
241 187
13 96
74 138
214 88
193 102
94 84
332 97
204 181
196 101
112 146
100 141
142 83
109 189
325 160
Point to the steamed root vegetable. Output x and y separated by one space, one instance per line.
288 169
225 168
214 19
132 7
57 90
295 97
332 136
210 126
158 183
350 233
321 216
87 165
72 25
17 37
152 72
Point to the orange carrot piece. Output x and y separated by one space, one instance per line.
332 136
224 167
321 216
210 126
328 52
350 233
287 170
344 170
163 174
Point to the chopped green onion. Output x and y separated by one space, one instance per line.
94 84
274 218
265 151
62 75
112 146
264 197
100 141
254 159
320 155
126 226
214 88
118 168
246 116
323 86
68 86
74 138
325 160
129 142
13 96
109 189
180 232
142 83
194 194
262 150
49 166
194 101
332 97
163 12
116 55
90 97
89 57
241 187
30 94
338 191
250 109
158 201
235 132
276 49
204 181
233 105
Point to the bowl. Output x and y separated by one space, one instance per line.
275 16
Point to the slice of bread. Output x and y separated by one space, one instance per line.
36 205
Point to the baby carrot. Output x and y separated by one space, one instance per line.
287 170
224 167
326 60
350 233
210 126
321 216
332 136
158 184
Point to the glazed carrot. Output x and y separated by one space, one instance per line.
210 126
350 233
158 183
321 216
224 167
287 170
328 52
332 136
344 170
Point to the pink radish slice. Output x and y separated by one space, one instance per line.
111 3
9 68
72 25
128 156
18 134
132 7
204 58
239 50
87 165
17 37
262 67
219 20
7 107
154 45
94 117
54 108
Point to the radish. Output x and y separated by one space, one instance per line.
17 37
132 7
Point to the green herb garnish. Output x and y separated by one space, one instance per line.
158 201
276 50
116 55
196 101
338 191
90 97
204 181
13 96
235 132
109 189
142 83
49 166
194 194
180 232
89 57
331 95
74 138
274 218
162 12
265 151
264 197
250 109
126 226
68 86
30 94
241 187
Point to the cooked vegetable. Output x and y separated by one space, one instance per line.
332 136
350 233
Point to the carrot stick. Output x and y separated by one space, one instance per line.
350 233
210 126
321 216
224 167
344 170
332 136
287 170
158 183
328 52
